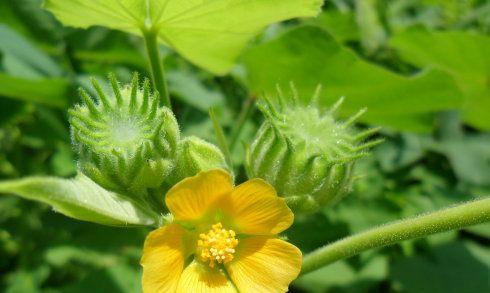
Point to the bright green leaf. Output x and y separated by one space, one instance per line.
309 56
342 25
210 33
464 55
52 92
79 198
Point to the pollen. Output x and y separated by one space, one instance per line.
217 245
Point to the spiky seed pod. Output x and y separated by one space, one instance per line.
125 141
195 155
307 155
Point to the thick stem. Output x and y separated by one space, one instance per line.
220 136
457 217
156 65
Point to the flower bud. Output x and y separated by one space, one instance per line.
125 141
307 155
196 155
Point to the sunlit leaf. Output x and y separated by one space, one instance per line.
464 55
341 25
309 56
49 91
79 198
210 33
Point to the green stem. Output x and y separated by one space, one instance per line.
156 65
223 144
246 111
457 217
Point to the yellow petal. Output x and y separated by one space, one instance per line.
198 278
264 264
256 209
191 198
163 259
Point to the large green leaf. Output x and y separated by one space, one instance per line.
79 198
309 56
464 55
341 25
210 33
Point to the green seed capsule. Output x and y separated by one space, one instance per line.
307 155
125 141
195 155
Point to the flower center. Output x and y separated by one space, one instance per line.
217 246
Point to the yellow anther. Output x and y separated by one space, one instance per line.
217 245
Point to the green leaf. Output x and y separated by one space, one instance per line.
61 255
342 25
21 53
188 88
210 33
310 55
50 91
464 55
79 198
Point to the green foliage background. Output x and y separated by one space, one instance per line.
422 67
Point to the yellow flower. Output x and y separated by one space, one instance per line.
222 239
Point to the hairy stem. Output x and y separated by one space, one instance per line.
156 65
457 217
220 136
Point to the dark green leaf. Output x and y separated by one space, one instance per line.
451 268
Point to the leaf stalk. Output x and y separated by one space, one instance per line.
156 66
